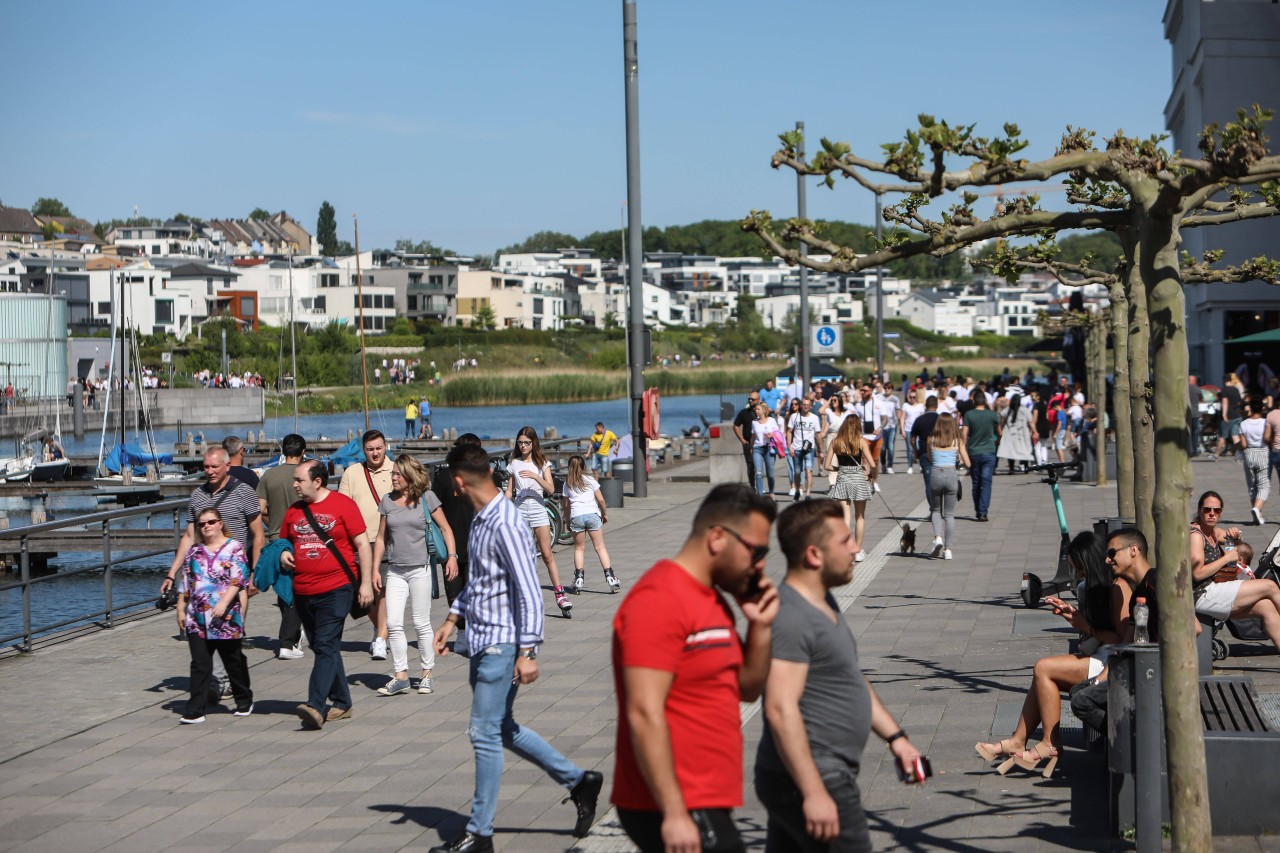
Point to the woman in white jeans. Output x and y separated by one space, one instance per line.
1254 440
401 562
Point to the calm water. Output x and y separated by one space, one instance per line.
70 596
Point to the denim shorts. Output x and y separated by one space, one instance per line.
581 523
803 459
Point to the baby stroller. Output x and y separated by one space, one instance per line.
1249 630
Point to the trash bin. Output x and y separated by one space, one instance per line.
624 471
611 488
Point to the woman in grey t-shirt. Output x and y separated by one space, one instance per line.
401 561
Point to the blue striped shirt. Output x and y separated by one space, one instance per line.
501 563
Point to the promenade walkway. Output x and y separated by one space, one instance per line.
92 757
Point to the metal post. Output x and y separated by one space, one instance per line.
77 411
364 366
635 269
1148 746
802 375
24 564
879 301
106 569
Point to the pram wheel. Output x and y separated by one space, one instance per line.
1220 650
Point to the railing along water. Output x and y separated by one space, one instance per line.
109 520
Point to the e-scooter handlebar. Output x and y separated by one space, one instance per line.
1055 466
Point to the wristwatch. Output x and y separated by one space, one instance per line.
529 654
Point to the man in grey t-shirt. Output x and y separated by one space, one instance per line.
818 705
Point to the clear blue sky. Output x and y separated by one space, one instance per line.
474 124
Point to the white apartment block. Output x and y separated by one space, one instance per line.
322 294
823 307
524 301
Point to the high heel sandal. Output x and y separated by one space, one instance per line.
1001 750
1042 751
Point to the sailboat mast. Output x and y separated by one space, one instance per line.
293 346
124 398
364 365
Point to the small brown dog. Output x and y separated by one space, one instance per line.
907 545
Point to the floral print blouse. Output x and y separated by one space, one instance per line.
207 577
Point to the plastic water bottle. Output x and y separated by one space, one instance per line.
1140 616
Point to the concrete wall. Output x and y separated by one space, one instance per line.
221 412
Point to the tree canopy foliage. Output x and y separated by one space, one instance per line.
50 207
327 230
258 214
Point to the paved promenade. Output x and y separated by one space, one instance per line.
92 756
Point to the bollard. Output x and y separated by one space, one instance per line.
38 515
126 475
350 434
77 412
1148 745
190 443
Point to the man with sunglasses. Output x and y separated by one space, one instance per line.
680 671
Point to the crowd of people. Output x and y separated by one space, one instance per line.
1247 424
851 431
392 530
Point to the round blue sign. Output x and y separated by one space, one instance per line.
826 336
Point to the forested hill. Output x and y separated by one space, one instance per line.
724 238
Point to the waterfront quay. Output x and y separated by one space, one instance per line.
92 757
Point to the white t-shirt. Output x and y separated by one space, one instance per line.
910 412
583 501
962 393
889 408
835 419
1253 429
1076 412
804 428
761 431
870 411
525 487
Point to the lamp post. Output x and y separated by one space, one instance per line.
635 268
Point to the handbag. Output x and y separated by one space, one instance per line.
436 547
358 610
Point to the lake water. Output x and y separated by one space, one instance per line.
569 419
65 597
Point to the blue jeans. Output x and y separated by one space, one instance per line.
889 433
763 458
492 727
982 467
322 617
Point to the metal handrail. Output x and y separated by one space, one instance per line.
105 518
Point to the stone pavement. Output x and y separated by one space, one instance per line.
92 758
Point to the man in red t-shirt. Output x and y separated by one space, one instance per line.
324 585
680 671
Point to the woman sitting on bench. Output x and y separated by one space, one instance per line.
1219 594
1104 605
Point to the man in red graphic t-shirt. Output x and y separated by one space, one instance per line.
324 583
680 671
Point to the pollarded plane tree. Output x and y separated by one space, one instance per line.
1146 195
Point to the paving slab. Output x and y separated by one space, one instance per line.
101 763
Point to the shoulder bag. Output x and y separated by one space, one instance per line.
436 547
358 610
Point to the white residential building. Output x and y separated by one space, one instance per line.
823 307
322 293
518 301
150 306
937 312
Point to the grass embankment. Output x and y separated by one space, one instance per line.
517 386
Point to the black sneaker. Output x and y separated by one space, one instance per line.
467 842
585 795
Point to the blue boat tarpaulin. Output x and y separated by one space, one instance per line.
349 454
133 455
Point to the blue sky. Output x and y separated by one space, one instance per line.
474 124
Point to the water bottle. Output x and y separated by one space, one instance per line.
1140 617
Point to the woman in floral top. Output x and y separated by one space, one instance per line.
211 609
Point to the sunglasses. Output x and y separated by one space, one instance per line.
758 552
1216 510
524 443
208 521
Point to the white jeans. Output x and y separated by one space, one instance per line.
415 584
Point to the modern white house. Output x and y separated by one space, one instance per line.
323 293
823 308
523 301
1226 56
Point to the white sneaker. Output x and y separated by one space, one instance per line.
860 556
378 649
792 493
875 486
946 554
1257 517
937 547
888 470
290 652
911 469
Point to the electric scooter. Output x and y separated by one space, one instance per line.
1034 589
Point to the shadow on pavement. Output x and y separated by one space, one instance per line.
969 682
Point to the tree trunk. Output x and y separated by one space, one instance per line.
1120 401
1144 465
1184 737
1096 357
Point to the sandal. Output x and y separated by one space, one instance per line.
1042 751
989 754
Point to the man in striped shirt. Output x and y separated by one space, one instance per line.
502 604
